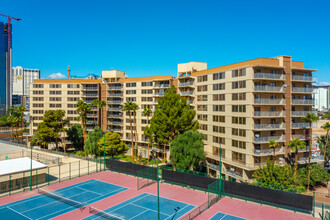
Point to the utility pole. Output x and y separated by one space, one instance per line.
220 166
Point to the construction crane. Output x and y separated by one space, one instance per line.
9 59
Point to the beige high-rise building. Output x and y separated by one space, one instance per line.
240 108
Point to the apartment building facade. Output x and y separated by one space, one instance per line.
240 108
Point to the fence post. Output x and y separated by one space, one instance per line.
48 176
59 173
322 211
88 165
37 179
96 164
313 204
79 168
70 170
23 181
9 184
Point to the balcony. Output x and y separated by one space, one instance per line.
269 126
159 93
114 102
212 166
265 101
268 89
114 116
314 159
161 85
301 90
91 115
186 84
302 101
144 140
302 125
191 102
266 139
115 88
89 88
115 109
269 114
269 76
233 173
116 123
184 93
116 130
301 113
91 122
300 136
89 95
303 78
269 151
115 95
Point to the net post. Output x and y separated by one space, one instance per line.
104 154
96 164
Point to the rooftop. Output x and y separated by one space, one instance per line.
19 165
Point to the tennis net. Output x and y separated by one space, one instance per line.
103 214
61 198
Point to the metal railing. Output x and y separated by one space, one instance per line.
269 113
302 125
303 78
186 84
301 113
159 93
115 109
269 76
266 139
268 89
117 123
114 102
269 126
300 136
269 151
314 159
303 101
114 116
187 93
190 101
302 89
89 88
268 101
89 94
161 85
115 87
115 94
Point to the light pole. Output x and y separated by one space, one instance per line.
158 212
104 153
31 169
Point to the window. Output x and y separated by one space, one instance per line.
202 117
146 106
73 92
144 121
132 99
38 86
55 86
35 105
38 111
131 92
219 97
71 86
239 144
202 98
38 99
131 84
238 108
203 127
55 99
238 132
55 92
146 84
238 84
218 140
202 88
219 86
238 156
238 73
217 76
146 99
128 121
72 105
219 129
146 91
71 112
218 108
238 96
55 105
201 107
38 92
238 120
219 118
202 78
72 99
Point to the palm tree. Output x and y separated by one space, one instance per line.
147 112
20 110
309 118
295 145
273 144
135 107
16 121
326 127
11 112
82 109
128 106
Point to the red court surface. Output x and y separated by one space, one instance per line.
226 205
251 211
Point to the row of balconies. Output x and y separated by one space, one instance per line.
267 101
115 116
282 77
89 95
280 113
187 93
281 89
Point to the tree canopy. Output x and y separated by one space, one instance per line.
187 150
91 145
75 136
317 176
113 144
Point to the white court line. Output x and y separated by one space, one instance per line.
105 195
149 209
139 214
223 216
88 190
55 201
18 212
111 183
178 211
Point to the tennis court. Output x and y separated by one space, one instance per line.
48 205
143 206
224 216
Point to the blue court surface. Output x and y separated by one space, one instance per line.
46 207
223 216
144 206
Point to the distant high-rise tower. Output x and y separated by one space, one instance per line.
5 70
68 72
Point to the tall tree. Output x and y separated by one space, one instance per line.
11 112
43 136
82 109
135 107
187 150
128 106
75 136
273 144
147 112
113 144
20 111
295 145
309 118
91 147
173 116
325 127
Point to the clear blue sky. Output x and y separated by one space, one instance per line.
151 37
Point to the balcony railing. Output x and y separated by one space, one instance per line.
302 90
314 159
159 93
114 109
91 115
303 101
266 139
89 88
116 122
115 88
114 102
212 166
190 102
304 78
268 101
269 126
269 76
269 151
301 113
117 130
115 94
268 89
187 93
300 136
302 125
269 113
233 174
91 122
114 116
186 84
161 85
89 94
